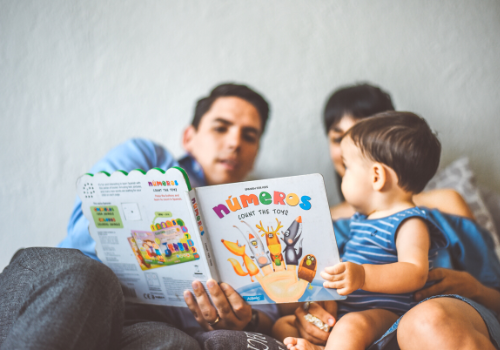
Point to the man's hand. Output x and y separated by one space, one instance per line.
233 312
309 331
346 277
449 282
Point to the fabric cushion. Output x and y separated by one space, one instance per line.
460 177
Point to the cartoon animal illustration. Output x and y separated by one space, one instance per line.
307 268
239 250
273 244
292 236
255 245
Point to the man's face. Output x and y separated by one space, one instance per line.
227 140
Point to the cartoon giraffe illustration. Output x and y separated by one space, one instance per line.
273 244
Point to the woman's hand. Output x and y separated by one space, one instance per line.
230 312
461 283
309 331
450 282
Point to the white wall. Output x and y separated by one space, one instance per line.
78 77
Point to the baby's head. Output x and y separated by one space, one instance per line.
402 141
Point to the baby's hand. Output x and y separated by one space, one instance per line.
346 277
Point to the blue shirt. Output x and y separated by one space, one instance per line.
130 155
470 247
373 241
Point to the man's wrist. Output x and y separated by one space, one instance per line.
254 322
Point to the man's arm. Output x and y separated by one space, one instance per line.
130 155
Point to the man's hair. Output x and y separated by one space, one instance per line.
360 101
232 90
404 142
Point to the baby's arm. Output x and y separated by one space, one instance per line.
407 275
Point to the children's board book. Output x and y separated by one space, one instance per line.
268 239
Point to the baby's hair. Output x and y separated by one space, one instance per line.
404 142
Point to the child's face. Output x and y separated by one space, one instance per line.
356 184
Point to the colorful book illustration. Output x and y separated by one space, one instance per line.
269 239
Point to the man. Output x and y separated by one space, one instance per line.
63 299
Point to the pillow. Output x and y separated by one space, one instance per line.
492 201
459 177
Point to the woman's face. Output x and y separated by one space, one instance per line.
334 136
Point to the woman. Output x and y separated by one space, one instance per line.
347 106
445 322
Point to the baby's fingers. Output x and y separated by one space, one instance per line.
345 290
330 277
333 285
335 269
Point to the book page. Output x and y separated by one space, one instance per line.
144 231
271 238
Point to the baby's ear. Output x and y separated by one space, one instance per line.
378 176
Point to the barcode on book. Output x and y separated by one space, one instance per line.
128 292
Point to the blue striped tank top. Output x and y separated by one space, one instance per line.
373 242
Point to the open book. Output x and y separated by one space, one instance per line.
268 239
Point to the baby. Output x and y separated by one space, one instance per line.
388 158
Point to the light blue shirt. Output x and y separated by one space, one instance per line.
130 155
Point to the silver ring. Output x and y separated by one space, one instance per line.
211 324
306 306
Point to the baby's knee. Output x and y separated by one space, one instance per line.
286 320
282 327
355 320
426 319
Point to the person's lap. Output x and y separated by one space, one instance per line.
48 301
227 339
443 322
55 298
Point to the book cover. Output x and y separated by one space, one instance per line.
145 231
271 238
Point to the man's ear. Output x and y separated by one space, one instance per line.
378 176
187 138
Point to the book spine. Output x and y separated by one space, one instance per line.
204 235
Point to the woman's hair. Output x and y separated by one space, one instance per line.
404 142
359 101
232 90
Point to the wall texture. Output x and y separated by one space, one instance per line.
78 77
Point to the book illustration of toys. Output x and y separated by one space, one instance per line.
142 263
169 244
239 250
280 281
